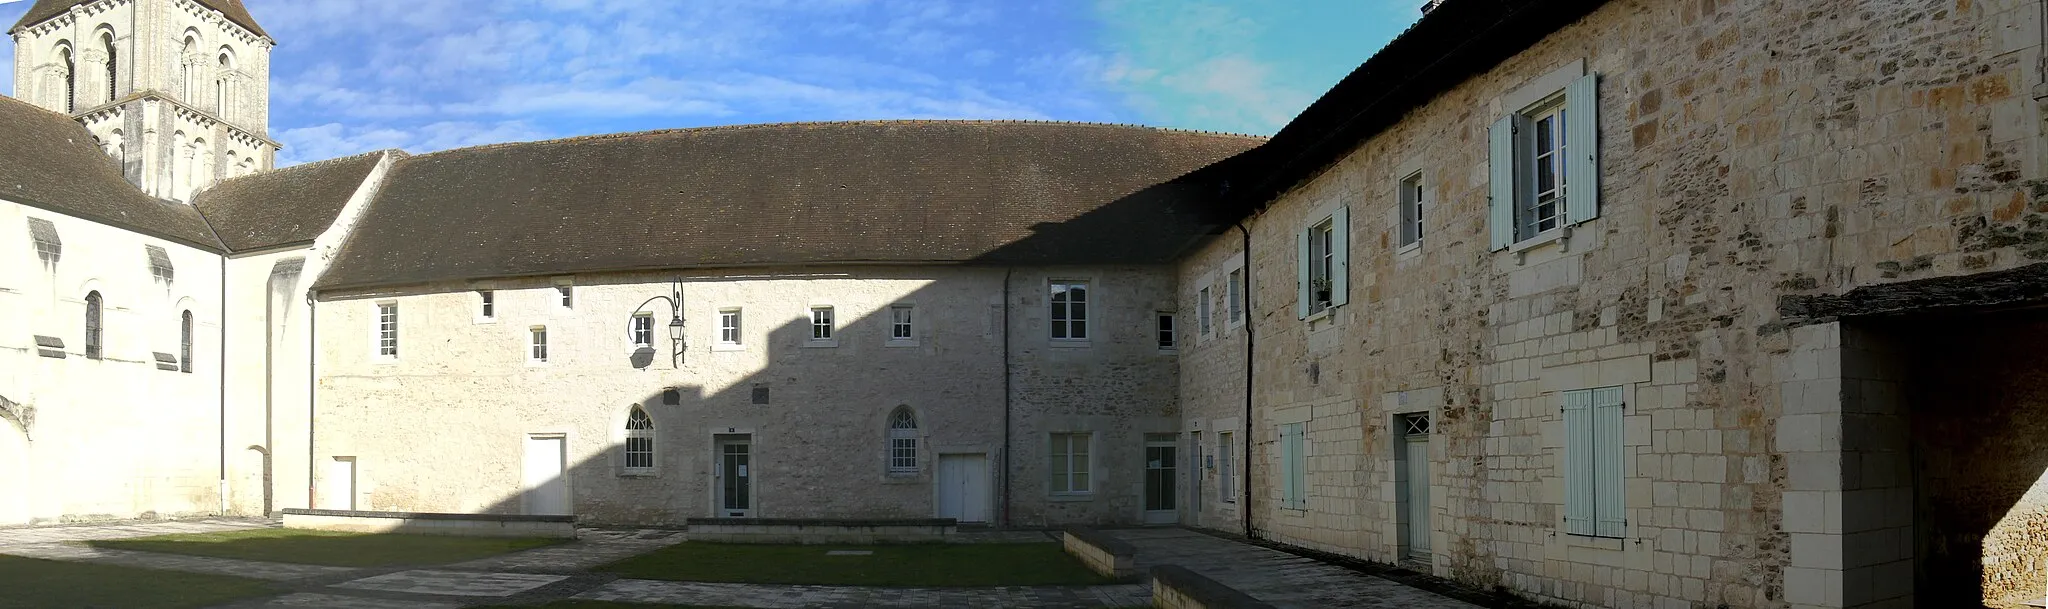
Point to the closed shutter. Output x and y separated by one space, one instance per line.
1582 143
1578 463
1340 248
1301 290
1500 158
1300 466
1610 517
1287 489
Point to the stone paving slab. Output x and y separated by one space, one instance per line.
124 530
335 601
851 597
271 571
593 548
453 583
1284 580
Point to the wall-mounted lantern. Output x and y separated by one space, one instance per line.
676 335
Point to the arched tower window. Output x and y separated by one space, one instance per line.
185 345
220 87
902 441
113 66
639 447
189 86
70 79
93 346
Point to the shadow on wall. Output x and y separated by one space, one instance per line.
814 447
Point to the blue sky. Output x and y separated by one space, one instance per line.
356 75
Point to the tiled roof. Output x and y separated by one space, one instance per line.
987 192
48 160
290 205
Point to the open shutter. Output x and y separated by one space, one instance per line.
1578 463
1500 158
1340 249
1609 515
1301 293
1582 145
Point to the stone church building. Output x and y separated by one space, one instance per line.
1626 303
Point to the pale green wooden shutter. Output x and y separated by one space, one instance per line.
1287 448
1340 248
1301 287
1579 486
1300 478
1582 149
1500 158
1609 512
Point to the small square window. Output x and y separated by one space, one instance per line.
539 352
568 295
643 330
1167 340
899 323
822 324
1411 210
488 301
729 327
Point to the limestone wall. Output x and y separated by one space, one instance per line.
1748 151
1212 399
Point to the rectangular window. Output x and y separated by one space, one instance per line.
1320 257
903 451
387 330
568 293
1202 311
1324 256
1069 310
1235 291
1593 455
1411 210
489 303
1294 466
1227 489
539 352
1167 340
1543 163
1069 465
643 329
821 323
899 323
729 327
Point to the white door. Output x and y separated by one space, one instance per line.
547 489
963 487
14 475
1162 482
1415 485
338 488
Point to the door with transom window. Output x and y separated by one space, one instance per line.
1162 482
1413 485
734 477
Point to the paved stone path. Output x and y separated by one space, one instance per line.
563 571
1284 580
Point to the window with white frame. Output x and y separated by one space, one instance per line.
1235 294
899 323
1411 210
1544 163
1069 310
538 352
639 448
1294 466
488 303
822 323
903 441
1226 469
1325 260
729 327
1593 457
643 330
1202 311
568 295
1070 466
1167 339
387 330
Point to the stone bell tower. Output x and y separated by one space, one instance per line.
177 90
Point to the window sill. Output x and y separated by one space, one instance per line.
902 478
1061 343
1561 235
728 347
534 364
1319 315
1594 542
821 344
1409 248
383 360
900 343
646 475
1170 351
483 321
1070 497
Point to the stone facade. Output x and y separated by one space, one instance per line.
187 103
439 427
1747 153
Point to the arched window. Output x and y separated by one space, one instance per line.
220 88
639 442
185 352
70 80
113 66
190 87
902 441
93 345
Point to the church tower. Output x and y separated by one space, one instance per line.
177 90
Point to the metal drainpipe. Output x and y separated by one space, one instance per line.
1007 273
221 315
1245 428
312 345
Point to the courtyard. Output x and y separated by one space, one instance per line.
252 564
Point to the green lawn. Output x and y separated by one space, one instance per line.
920 565
28 583
576 604
329 548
